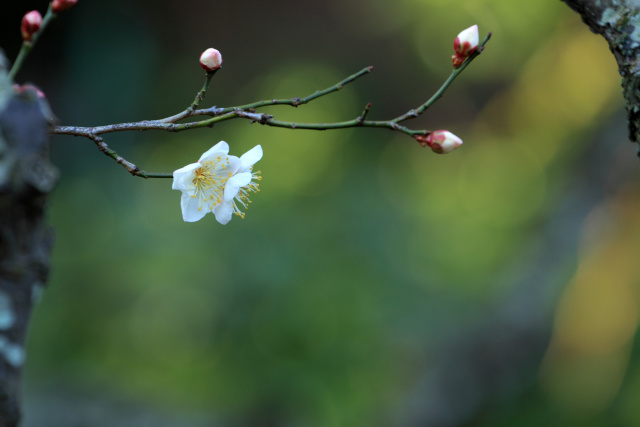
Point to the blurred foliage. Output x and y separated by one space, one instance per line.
365 259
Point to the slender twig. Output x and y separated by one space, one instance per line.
455 73
299 101
120 127
132 168
144 174
269 120
388 124
247 111
28 45
219 114
196 102
365 112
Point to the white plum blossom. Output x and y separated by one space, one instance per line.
218 183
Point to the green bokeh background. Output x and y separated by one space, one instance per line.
372 282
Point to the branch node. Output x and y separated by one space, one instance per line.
364 114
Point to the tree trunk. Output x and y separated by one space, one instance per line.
618 21
26 178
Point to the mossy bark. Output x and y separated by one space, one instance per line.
618 21
26 179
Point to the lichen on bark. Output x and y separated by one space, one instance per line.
618 21
26 179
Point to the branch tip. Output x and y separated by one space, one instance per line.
363 116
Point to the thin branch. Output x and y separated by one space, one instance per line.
196 102
455 73
269 120
144 174
247 111
133 169
219 114
28 45
365 112
300 101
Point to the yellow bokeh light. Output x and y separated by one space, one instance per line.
597 317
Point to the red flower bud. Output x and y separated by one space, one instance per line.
30 24
440 141
60 5
464 45
28 87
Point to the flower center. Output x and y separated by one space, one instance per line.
209 182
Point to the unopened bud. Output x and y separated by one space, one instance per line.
464 45
440 141
59 5
29 88
31 22
211 59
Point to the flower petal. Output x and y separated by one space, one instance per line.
234 183
190 211
223 212
183 177
221 148
234 165
250 158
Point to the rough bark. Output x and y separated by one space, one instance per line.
26 178
618 21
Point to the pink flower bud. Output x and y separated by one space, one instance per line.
59 5
211 59
441 141
464 45
30 24
28 87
